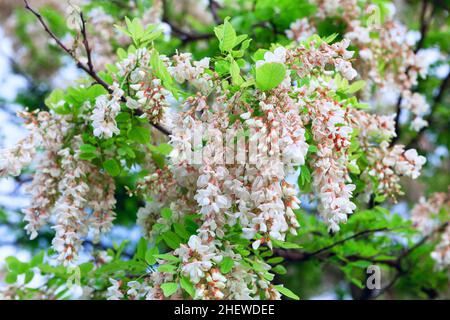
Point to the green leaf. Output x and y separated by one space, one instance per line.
305 175
166 213
285 244
181 231
86 267
169 288
29 275
331 38
87 156
275 260
88 148
139 134
187 286
312 149
112 167
226 265
141 248
13 263
160 70
55 101
269 75
167 257
222 67
94 91
285 291
150 255
259 54
353 168
164 148
88 152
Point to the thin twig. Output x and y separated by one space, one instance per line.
86 42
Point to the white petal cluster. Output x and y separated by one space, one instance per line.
419 107
331 131
278 56
104 114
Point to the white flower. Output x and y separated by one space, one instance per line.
418 123
366 54
279 56
113 292
103 116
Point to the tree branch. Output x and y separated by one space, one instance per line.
183 35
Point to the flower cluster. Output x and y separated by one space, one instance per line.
104 114
387 164
426 218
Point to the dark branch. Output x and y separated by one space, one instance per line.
294 255
398 262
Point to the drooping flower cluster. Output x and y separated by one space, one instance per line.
427 216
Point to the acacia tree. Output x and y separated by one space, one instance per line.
256 145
